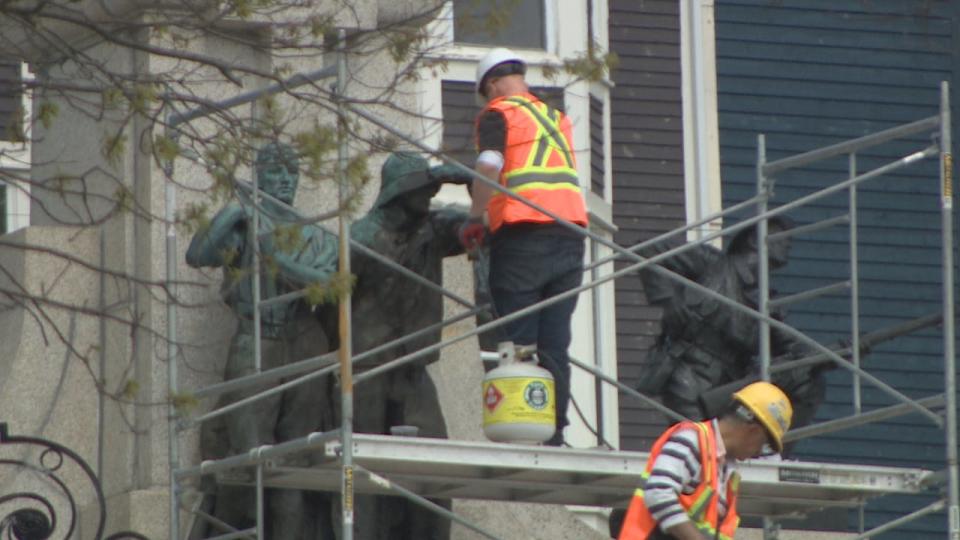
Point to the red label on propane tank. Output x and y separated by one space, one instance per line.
492 397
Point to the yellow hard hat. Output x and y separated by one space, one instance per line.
770 406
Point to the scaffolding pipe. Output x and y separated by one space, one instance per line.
629 391
259 454
346 333
809 228
807 295
930 151
669 234
422 501
854 284
327 360
771 528
949 354
929 509
847 147
265 377
764 191
173 387
255 277
208 108
839 424
254 234
870 339
212 520
259 483
598 356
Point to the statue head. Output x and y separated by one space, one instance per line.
278 170
745 241
405 180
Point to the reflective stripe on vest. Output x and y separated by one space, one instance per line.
539 164
702 506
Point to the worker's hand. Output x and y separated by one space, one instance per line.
472 234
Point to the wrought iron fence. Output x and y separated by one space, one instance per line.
35 514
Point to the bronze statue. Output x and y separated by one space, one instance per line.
289 333
387 305
704 343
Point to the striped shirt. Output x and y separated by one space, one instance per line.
678 470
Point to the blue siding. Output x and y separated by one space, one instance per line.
809 73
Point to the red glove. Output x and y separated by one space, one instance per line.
472 234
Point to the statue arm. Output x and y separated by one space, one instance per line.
447 221
689 264
785 346
315 262
224 233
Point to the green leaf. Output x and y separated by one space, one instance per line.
130 389
114 147
165 148
47 112
183 402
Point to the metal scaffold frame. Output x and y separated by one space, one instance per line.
939 127
338 446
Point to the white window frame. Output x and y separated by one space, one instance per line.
701 139
550 24
15 158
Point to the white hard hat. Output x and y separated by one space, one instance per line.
493 59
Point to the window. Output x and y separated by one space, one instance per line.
597 165
10 101
460 109
14 146
506 23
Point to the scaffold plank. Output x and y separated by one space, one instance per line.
439 468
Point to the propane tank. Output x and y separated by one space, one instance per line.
519 404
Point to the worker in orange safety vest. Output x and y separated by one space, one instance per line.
526 146
689 488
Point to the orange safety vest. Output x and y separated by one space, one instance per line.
539 164
702 505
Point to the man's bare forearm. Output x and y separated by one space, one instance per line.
481 191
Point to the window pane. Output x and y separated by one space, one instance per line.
509 23
3 208
9 99
460 109
596 146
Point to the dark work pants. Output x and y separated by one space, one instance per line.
528 264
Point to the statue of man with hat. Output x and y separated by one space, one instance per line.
386 305
704 343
